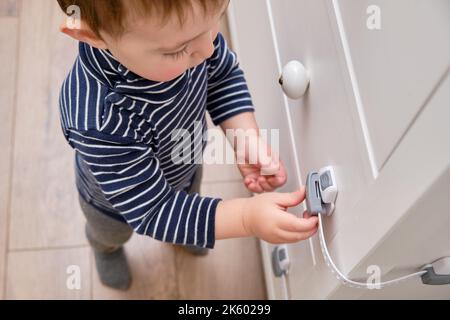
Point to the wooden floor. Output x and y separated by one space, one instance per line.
41 225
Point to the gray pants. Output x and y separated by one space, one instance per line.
106 234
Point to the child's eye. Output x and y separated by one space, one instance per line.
176 55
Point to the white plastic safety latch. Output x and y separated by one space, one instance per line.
280 260
438 272
321 191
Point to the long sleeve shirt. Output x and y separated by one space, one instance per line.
125 130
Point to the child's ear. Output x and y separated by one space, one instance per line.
82 32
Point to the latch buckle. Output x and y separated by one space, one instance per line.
321 191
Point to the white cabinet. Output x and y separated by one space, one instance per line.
397 66
377 109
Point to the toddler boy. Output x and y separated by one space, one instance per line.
145 69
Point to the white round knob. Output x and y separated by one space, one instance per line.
294 79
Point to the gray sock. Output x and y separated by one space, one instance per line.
113 269
195 250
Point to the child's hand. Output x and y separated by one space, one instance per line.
266 173
265 217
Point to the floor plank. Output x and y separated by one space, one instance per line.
152 265
8 8
8 34
232 270
44 274
44 212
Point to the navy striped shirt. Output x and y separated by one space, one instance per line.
122 128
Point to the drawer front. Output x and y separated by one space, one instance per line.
399 50
326 126
253 38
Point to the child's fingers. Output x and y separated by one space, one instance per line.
251 184
306 214
290 199
270 169
247 180
292 237
255 187
276 180
289 222
264 184
309 234
289 237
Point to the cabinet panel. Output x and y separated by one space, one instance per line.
397 65
406 216
258 58
326 125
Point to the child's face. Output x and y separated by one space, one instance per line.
162 53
